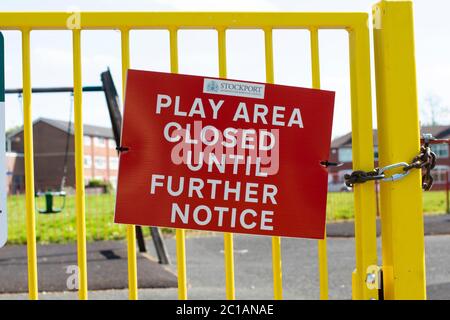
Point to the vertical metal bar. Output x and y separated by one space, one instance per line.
79 166
363 159
447 190
377 196
227 237
402 227
131 230
276 241
29 168
322 244
180 233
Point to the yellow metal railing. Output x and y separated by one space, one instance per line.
364 197
322 245
228 237
29 168
276 241
131 230
180 233
79 166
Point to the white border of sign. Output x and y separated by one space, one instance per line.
3 215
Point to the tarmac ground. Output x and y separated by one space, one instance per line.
107 267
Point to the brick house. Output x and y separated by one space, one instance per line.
341 151
50 139
15 174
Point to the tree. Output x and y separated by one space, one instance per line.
434 112
12 129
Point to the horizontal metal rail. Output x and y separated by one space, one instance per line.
54 90
182 20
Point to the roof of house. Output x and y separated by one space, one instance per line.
439 132
88 130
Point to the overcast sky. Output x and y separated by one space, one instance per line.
52 53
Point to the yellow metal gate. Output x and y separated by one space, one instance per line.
396 95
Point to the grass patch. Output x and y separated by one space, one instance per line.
61 227
434 202
340 204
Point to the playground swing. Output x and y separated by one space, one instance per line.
112 102
49 201
50 195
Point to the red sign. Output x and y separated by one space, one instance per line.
224 155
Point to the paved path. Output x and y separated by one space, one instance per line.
107 268
254 273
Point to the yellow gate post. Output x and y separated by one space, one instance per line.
399 140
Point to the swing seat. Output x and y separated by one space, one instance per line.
49 201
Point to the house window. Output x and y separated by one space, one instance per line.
87 161
100 142
87 140
345 154
112 144
113 181
441 150
113 163
440 174
100 162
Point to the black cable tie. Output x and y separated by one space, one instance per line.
122 149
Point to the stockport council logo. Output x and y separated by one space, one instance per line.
212 86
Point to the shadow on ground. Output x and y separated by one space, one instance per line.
440 291
107 268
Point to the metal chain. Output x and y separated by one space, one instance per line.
425 160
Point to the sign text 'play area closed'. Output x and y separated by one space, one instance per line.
224 155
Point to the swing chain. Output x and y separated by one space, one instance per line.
425 160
